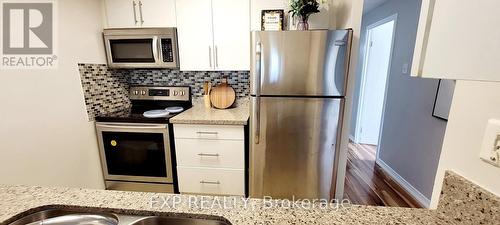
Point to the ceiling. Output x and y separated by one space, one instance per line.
372 4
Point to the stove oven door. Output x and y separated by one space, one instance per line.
135 152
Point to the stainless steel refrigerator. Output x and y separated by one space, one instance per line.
297 87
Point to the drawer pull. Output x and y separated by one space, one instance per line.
206 154
210 182
207 132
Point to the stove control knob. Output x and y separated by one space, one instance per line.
136 92
181 93
143 92
176 93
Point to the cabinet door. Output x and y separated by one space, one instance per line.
458 39
231 21
120 13
194 29
158 13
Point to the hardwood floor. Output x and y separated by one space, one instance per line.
367 184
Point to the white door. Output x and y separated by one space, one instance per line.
158 13
375 73
231 22
194 29
122 13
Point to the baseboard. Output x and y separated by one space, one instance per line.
351 138
412 191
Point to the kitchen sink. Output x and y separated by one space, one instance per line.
61 217
154 220
76 217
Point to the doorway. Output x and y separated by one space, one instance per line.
375 71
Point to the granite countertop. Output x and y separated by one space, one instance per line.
198 114
461 203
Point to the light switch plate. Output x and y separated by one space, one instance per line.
490 149
405 68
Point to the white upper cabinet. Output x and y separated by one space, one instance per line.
120 13
213 34
140 13
231 24
158 13
458 39
194 31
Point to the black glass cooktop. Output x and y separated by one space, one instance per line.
134 114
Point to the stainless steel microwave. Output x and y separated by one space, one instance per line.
141 48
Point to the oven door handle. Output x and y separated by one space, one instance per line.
131 126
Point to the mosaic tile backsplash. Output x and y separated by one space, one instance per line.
237 79
106 90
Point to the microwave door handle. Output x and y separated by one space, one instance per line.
155 49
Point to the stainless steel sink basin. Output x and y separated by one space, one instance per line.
155 220
76 217
61 217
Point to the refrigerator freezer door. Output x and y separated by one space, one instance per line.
299 63
295 154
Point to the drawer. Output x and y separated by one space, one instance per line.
143 187
210 153
211 181
198 131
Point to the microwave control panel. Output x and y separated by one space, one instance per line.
167 50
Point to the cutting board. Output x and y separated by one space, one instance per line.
223 95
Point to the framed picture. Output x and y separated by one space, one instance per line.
444 96
273 19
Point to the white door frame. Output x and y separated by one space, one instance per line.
357 136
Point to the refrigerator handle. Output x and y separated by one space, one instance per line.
256 108
256 119
258 68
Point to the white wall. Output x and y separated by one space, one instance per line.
347 14
45 136
411 138
474 103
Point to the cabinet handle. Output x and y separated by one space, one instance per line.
207 132
216 58
209 182
206 154
140 12
210 55
135 13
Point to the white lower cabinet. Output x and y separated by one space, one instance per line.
215 181
210 153
208 132
210 159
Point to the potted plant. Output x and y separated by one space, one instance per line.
302 9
